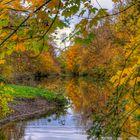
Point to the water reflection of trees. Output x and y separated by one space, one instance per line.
109 117
56 85
87 98
99 109
13 131
16 131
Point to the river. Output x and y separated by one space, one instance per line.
87 101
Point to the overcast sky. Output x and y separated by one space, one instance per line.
107 4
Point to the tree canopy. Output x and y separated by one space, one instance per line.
104 45
28 24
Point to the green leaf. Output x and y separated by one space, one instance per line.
93 10
136 119
85 41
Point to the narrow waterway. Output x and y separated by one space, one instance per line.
87 102
54 127
64 128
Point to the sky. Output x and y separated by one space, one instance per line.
107 4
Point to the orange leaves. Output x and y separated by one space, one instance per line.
3 4
39 1
46 63
53 4
2 61
74 94
2 35
17 5
42 15
36 2
14 37
20 47
70 59
72 56
115 1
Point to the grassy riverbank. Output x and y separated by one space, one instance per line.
29 102
17 91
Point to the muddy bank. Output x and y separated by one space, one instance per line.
28 108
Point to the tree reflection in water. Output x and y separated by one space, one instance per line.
14 131
18 130
108 116
101 113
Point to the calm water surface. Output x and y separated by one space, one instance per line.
64 128
86 101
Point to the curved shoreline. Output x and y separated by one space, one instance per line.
30 108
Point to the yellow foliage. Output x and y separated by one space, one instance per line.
14 37
20 47
73 56
2 61
53 4
7 71
2 35
130 71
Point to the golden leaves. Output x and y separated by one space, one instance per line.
115 1
14 37
53 4
2 35
36 2
72 56
129 74
2 61
20 47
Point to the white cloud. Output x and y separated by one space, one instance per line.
61 35
108 4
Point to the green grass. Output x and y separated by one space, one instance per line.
17 91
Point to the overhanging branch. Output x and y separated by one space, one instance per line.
9 36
